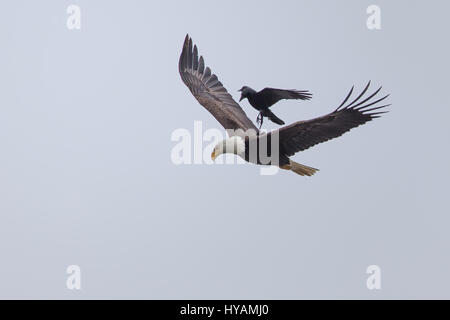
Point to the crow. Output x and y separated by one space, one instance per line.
267 97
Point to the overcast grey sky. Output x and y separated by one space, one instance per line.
86 176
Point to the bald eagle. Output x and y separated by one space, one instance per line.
275 147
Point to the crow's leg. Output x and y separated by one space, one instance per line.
260 120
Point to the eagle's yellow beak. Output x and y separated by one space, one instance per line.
213 155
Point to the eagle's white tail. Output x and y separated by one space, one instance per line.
300 169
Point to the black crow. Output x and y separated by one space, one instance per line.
267 97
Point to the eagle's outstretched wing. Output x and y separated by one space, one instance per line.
209 91
302 135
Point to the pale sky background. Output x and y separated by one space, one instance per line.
86 176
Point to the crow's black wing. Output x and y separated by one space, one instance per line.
269 96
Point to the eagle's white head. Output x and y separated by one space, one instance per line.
235 145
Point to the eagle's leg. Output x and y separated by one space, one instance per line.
260 120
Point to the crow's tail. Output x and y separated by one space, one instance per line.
272 117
